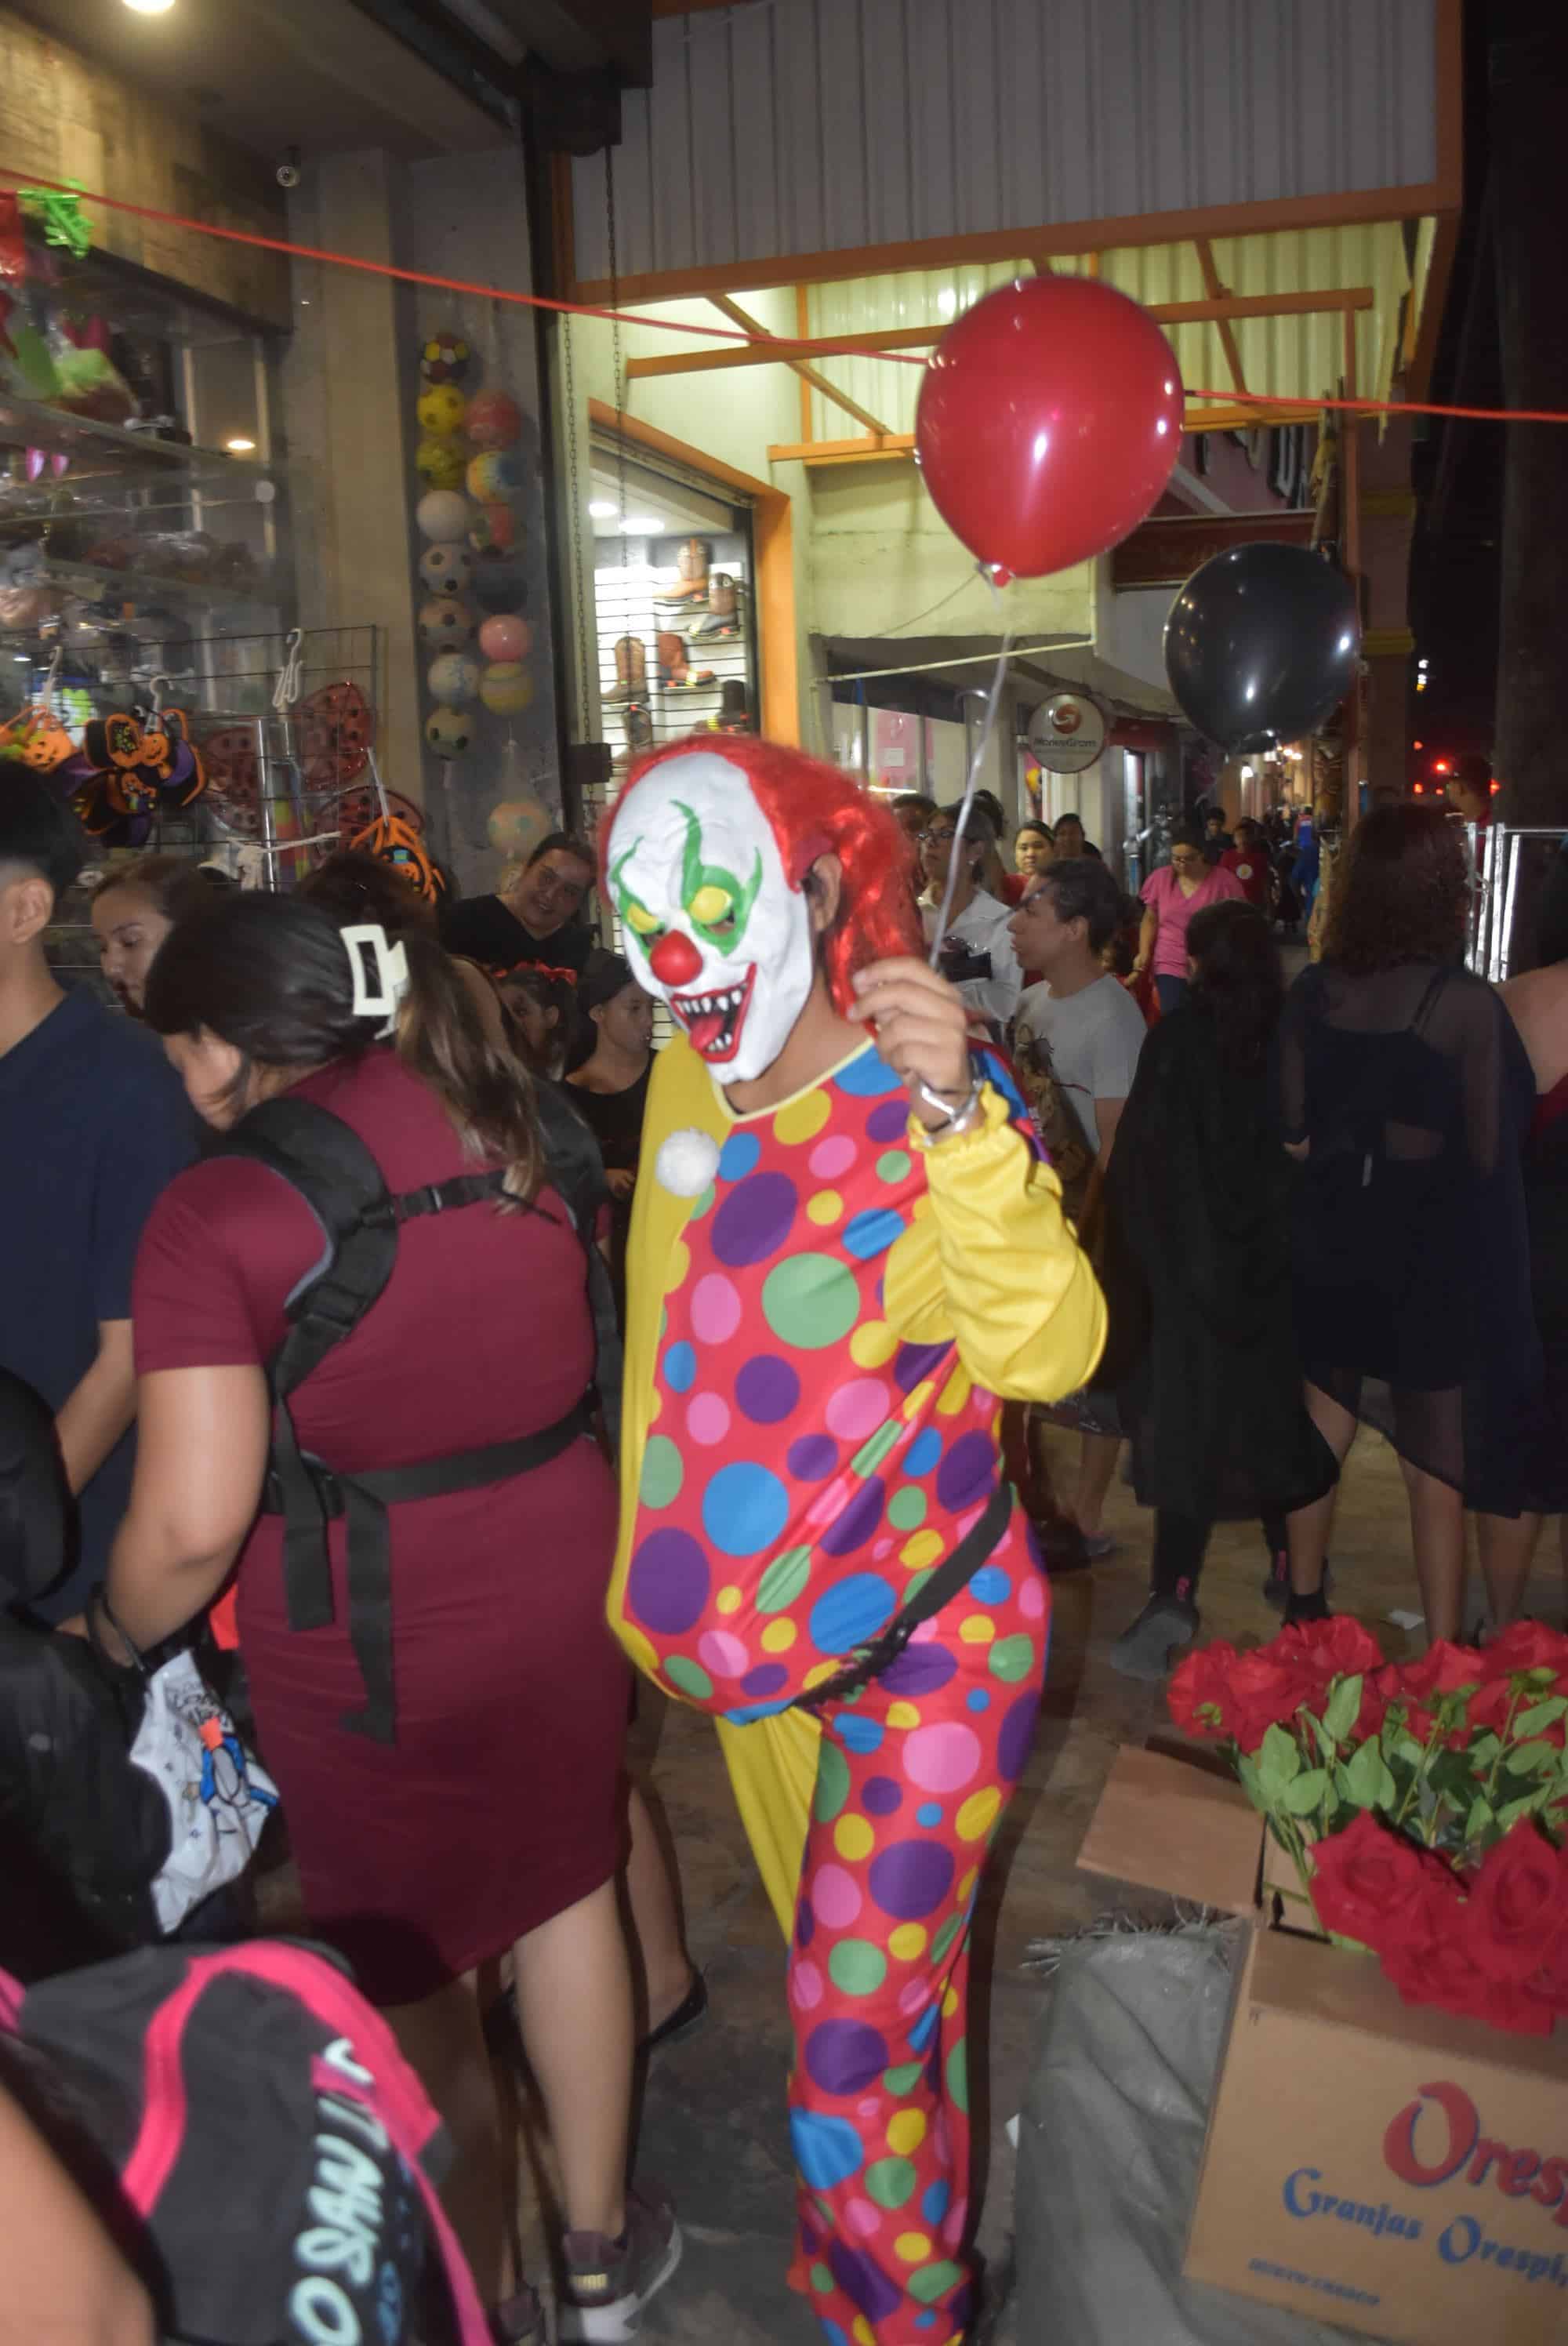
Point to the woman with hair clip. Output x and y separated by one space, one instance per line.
454 1792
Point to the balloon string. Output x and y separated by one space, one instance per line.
982 743
850 347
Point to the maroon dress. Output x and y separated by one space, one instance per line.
497 1806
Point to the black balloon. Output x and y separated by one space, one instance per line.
1261 645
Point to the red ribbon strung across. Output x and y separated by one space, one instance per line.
712 333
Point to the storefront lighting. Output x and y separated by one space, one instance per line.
241 446
640 526
149 7
1420 683
1422 663
1417 744
602 509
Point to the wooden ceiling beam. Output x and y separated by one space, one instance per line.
1219 292
808 374
777 351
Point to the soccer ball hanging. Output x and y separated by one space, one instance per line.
444 358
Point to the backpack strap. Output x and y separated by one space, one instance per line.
334 1172
578 1173
955 1572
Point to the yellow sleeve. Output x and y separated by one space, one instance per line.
995 1266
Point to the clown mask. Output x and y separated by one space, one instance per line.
712 924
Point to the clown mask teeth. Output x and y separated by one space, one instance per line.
713 1021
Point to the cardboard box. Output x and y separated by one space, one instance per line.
1368 2162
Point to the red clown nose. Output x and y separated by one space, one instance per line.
674 959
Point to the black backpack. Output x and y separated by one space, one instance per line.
125 1797
339 1179
245 2126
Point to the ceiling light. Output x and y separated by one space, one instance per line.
150 7
1421 663
602 509
241 446
640 526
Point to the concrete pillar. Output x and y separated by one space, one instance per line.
343 429
1387 519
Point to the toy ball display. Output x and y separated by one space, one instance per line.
495 531
494 420
446 569
507 689
444 358
444 626
506 638
442 515
454 678
449 732
501 587
492 475
516 826
441 410
439 463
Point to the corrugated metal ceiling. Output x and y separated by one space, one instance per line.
778 127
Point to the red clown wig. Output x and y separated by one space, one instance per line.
815 810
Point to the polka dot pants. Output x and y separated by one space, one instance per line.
912 1780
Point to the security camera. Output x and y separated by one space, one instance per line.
288 169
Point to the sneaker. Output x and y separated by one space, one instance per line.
1276 1582
608 2282
520 2321
1144 1651
683 2022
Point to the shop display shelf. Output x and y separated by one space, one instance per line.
99 449
145 587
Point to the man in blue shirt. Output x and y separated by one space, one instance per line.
92 1123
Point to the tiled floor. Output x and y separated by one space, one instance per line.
713 2126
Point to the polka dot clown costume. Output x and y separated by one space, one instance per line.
824 1304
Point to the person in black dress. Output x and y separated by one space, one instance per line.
536 919
1197 1277
1406 1095
1538 1004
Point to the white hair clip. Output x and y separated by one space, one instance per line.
391 974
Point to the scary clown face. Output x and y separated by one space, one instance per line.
712 924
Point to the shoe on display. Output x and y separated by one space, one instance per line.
1143 1650
722 617
631 670
607 2283
690 583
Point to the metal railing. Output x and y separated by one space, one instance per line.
1497 856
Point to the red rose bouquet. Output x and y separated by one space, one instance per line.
1425 1804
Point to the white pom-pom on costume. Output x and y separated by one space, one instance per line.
687 1162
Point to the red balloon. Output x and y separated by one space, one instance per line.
1049 418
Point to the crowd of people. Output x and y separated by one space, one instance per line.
355 1259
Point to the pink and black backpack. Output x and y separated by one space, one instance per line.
254 2140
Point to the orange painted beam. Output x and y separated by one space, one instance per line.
810 380
1216 292
1354 208
914 338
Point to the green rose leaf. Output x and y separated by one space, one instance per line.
1482 1817
1508 1817
1540 1714
1367 1780
1279 1761
1533 1759
1344 1707
1325 1742
1483 1751
1305 1792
